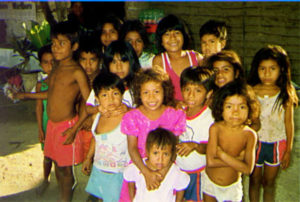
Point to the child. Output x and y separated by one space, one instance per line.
172 42
134 32
213 36
270 76
196 84
66 82
161 152
89 60
109 146
153 96
120 59
231 145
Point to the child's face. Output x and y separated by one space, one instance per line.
211 45
152 95
224 73
47 62
110 99
172 40
235 110
62 48
119 67
77 9
194 95
89 62
268 72
159 157
109 34
135 39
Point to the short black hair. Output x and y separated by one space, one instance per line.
162 137
67 29
197 75
107 80
168 23
214 27
43 50
89 44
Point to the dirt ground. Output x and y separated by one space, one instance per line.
21 160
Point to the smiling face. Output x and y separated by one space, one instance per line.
152 95
109 34
135 39
89 62
119 67
194 96
268 72
210 45
110 99
159 157
47 62
172 40
235 110
224 73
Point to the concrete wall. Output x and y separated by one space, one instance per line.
252 25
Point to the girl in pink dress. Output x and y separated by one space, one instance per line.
153 96
172 41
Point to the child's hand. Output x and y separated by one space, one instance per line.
120 110
285 162
41 136
181 105
153 179
219 151
185 148
241 156
86 166
17 95
70 133
87 124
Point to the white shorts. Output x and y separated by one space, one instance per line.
233 192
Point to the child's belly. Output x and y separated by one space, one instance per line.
223 176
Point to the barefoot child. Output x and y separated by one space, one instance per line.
109 146
231 145
153 96
66 82
161 152
196 84
270 76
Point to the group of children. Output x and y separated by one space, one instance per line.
184 126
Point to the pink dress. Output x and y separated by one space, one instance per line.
174 77
136 123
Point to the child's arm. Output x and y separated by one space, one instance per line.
247 165
185 148
38 95
131 190
92 109
152 178
179 196
83 84
289 129
39 114
211 152
86 165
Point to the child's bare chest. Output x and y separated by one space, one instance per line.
232 143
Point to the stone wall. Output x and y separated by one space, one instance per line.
252 25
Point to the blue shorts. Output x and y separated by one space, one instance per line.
193 192
104 185
270 153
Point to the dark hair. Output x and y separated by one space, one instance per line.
214 27
107 80
137 26
67 29
279 55
197 75
127 53
228 56
43 50
162 137
89 44
234 88
168 23
155 75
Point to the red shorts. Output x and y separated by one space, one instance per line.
85 137
63 155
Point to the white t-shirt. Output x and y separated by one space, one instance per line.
111 152
127 99
197 130
175 180
146 60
